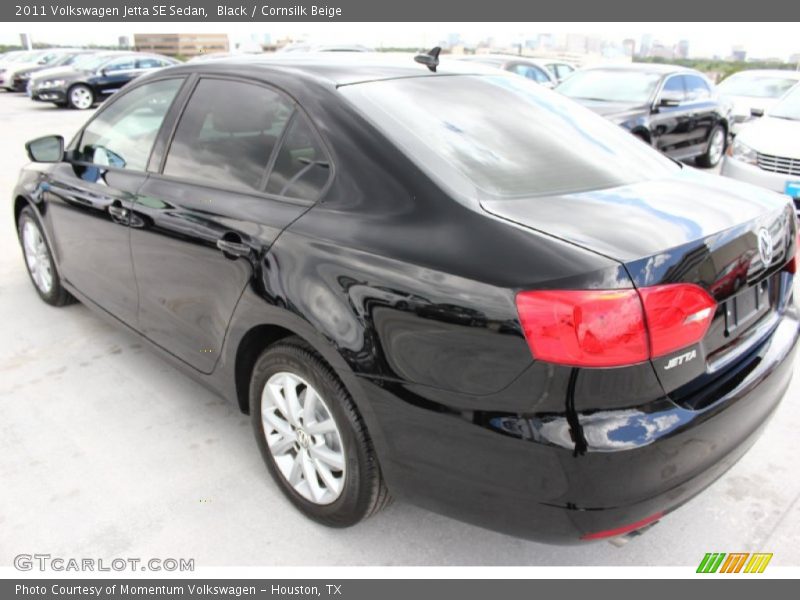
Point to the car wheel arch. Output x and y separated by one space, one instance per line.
642 133
258 337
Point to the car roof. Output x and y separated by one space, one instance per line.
658 68
338 68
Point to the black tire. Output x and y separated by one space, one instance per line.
56 295
709 159
364 492
84 88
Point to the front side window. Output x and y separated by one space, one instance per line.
121 64
227 133
530 72
122 135
538 143
301 167
674 89
696 88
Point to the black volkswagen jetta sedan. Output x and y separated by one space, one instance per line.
674 109
517 317
93 78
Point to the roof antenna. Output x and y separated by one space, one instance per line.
430 59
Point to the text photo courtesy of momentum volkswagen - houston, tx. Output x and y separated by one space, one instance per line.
313 295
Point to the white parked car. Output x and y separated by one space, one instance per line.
25 60
757 90
767 150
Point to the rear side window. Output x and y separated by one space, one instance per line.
123 133
530 72
503 136
301 167
228 133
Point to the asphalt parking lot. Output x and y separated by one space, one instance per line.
106 451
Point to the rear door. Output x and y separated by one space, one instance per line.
243 163
90 196
670 124
702 109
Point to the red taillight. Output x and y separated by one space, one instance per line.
678 316
624 529
584 328
611 328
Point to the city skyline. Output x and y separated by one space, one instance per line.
695 40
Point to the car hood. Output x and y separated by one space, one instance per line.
770 135
642 219
612 110
742 104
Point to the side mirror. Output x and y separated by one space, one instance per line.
756 112
669 102
47 149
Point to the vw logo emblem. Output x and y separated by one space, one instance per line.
765 246
303 438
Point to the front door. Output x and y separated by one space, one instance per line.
90 196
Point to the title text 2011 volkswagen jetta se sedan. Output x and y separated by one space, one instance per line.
455 286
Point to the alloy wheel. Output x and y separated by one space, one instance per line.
37 256
303 438
716 146
81 98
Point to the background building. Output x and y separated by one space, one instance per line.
181 44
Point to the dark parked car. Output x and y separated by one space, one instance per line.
92 80
509 316
674 109
64 59
526 67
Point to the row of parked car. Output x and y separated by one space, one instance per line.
74 77
750 121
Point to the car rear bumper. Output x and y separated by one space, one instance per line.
636 463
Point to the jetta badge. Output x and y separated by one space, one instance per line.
765 246
680 359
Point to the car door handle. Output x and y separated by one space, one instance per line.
233 248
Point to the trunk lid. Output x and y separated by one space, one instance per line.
730 238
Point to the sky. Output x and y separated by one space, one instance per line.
705 39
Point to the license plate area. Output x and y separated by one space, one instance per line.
747 307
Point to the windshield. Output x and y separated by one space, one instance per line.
756 86
504 135
788 107
611 85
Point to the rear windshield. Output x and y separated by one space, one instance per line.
504 135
